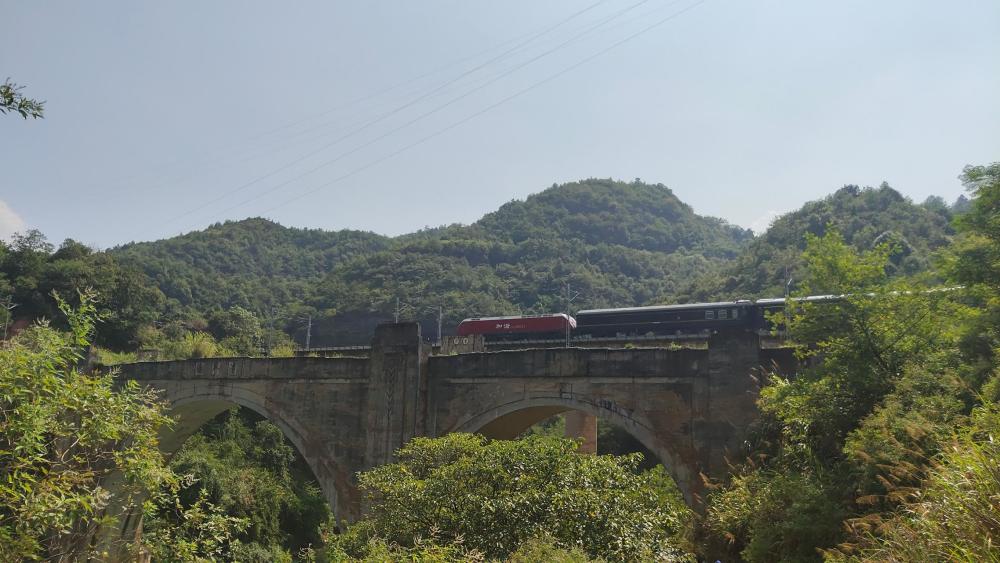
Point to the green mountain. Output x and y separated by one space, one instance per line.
609 243
254 263
864 216
614 243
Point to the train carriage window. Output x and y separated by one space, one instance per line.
709 314
723 313
736 313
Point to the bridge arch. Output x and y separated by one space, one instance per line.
192 408
511 419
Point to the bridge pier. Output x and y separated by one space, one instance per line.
582 426
729 399
397 372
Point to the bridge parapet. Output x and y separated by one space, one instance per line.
249 368
571 362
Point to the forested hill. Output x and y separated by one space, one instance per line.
636 215
864 216
254 263
615 243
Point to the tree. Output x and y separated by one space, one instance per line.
494 496
13 101
977 259
63 434
238 330
863 216
877 387
247 469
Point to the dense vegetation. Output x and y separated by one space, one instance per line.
31 269
865 217
616 244
881 447
488 499
77 452
255 264
857 456
246 468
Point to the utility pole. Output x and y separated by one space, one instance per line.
440 320
9 307
570 296
269 338
788 292
397 311
309 329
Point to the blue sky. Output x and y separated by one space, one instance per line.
394 115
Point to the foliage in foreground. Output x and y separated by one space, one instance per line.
13 101
955 515
62 435
537 549
247 470
879 388
491 498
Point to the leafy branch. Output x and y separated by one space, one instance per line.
12 100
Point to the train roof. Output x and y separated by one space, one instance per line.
713 305
650 308
507 318
808 298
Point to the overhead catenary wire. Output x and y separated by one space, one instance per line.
382 117
489 108
449 103
225 150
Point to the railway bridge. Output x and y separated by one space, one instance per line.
690 407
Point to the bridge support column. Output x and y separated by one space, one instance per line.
729 400
396 391
580 425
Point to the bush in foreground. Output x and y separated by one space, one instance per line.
955 515
63 435
469 497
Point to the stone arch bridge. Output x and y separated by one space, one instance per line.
691 407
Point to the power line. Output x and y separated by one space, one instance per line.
394 111
490 107
356 101
449 103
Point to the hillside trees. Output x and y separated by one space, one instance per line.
619 243
255 264
865 217
846 433
975 262
31 269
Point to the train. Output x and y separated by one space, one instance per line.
658 320
527 327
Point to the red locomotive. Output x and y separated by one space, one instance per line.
529 327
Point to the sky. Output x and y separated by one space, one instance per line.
391 116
